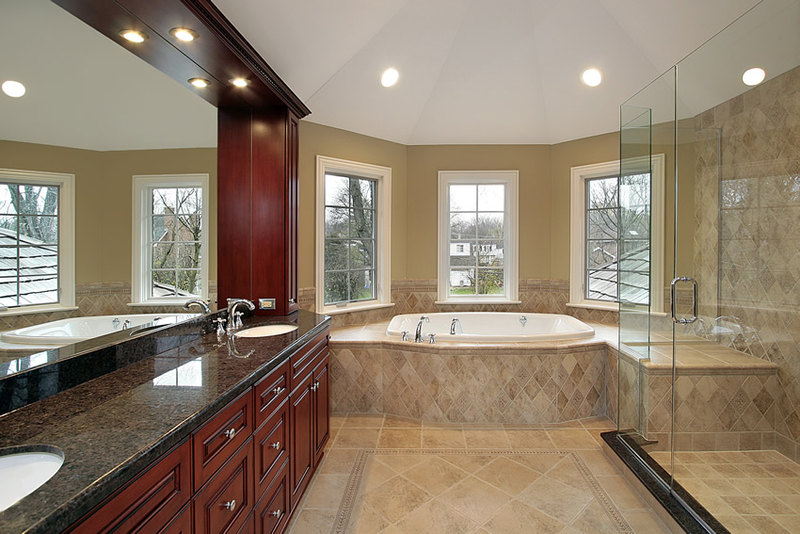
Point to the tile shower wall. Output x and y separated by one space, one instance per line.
757 183
419 296
96 299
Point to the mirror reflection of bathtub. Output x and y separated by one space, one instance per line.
55 334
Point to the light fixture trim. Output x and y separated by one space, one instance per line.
187 35
13 88
200 83
389 77
592 77
134 36
239 82
753 76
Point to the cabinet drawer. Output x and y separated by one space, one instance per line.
149 503
216 440
270 444
270 391
182 524
303 361
224 504
272 511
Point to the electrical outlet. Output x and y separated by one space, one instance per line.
266 304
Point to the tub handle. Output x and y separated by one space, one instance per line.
674 298
431 338
404 335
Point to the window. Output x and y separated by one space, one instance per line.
478 236
353 235
170 238
37 240
601 206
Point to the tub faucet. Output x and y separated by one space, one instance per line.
126 324
115 322
418 335
232 305
197 302
455 325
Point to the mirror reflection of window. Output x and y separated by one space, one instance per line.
190 375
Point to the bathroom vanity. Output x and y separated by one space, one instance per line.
212 435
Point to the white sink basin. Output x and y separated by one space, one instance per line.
267 330
24 473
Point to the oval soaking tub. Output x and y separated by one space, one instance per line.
491 327
66 331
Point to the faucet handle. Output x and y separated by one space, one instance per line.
431 338
404 335
237 320
220 326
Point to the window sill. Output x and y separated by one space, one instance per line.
354 308
613 307
28 310
478 301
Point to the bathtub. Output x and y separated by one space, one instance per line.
66 331
492 327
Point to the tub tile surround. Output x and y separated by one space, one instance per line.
747 247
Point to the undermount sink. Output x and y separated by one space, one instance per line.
267 330
28 468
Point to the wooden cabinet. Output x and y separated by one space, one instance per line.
270 392
225 503
215 441
301 458
271 448
272 512
322 412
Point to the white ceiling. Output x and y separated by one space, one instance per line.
86 91
474 71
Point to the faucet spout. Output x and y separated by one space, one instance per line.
232 305
197 302
418 335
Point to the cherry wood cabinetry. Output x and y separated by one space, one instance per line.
227 477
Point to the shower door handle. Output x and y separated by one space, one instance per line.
674 297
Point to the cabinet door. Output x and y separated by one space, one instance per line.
321 408
225 503
221 436
182 524
272 511
301 459
271 449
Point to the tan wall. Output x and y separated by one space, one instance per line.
316 139
103 198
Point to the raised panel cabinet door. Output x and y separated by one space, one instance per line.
271 448
322 414
221 436
225 503
304 360
292 201
182 524
272 512
270 392
301 459
149 502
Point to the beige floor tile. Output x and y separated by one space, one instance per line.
435 475
598 423
338 461
538 462
644 522
443 438
363 421
566 471
789 522
396 498
777 486
325 491
486 439
517 517
400 438
366 520
623 495
555 499
598 463
507 475
572 439
435 517
337 421
475 499
529 439
357 438
736 524
594 519
313 522
400 463
395 421
765 524
468 462
376 473
772 505
742 505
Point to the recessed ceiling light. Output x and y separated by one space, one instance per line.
13 89
753 76
592 77
183 34
239 82
389 77
133 36
200 83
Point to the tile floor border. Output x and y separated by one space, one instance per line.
351 491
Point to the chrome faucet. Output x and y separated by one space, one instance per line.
115 322
455 325
418 335
126 324
232 305
197 302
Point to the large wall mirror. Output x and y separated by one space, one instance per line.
94 110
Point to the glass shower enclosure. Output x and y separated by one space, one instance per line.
709 338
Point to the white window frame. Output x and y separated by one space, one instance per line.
578 177
383 232
140 289
66 237
509 178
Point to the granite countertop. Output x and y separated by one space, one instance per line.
112 427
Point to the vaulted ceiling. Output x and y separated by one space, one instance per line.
474 71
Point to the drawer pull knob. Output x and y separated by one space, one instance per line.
230 433
276 445
230 505
278 390
315 386
276 513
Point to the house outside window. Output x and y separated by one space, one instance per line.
602 207
353 235
170 238
37 241
478 236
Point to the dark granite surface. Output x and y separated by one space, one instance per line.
113 426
